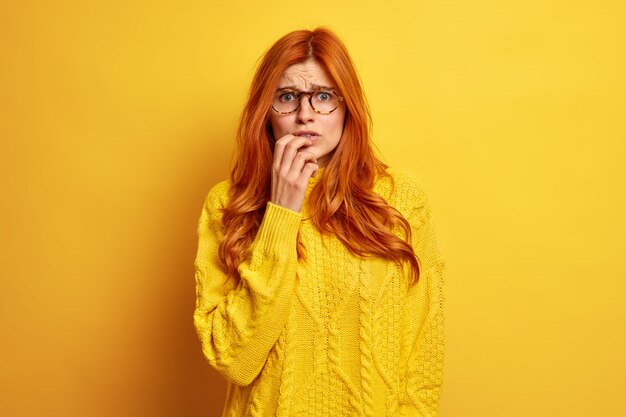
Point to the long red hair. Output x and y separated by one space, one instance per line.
343 202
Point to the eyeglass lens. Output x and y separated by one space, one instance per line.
323 101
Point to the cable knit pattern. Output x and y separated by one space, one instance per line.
365 332
337 335
289 365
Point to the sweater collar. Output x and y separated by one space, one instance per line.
316 179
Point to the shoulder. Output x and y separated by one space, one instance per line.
214 203
402 190
218 195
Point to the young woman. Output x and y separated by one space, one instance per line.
319 278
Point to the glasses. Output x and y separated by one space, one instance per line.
322 101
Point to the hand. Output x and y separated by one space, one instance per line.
292 167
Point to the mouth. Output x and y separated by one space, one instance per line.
307 134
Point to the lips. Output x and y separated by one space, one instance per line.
307 133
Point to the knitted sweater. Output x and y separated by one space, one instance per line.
337 335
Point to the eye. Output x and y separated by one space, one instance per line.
287 97
323 96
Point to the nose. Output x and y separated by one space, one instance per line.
305 112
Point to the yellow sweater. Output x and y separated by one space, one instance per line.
337 335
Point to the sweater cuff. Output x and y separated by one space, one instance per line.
279 230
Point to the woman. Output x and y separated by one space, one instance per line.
318 272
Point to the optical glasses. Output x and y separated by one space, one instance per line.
322 101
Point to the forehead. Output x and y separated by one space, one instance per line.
305 76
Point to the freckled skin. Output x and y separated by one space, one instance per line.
304 77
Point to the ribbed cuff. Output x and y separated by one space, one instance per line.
279 230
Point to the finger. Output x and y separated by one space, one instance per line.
291 150
279 149
309 170
292 147
299 160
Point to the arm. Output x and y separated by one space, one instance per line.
425 370
238 323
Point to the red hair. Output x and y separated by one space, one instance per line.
343 202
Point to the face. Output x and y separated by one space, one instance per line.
327 128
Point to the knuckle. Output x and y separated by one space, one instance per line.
292 146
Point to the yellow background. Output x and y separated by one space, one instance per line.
117 117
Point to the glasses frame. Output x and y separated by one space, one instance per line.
310 93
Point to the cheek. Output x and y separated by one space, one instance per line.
279 126
339 124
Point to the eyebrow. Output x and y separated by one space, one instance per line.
313 86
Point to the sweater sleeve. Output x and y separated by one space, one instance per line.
239 322
425 368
